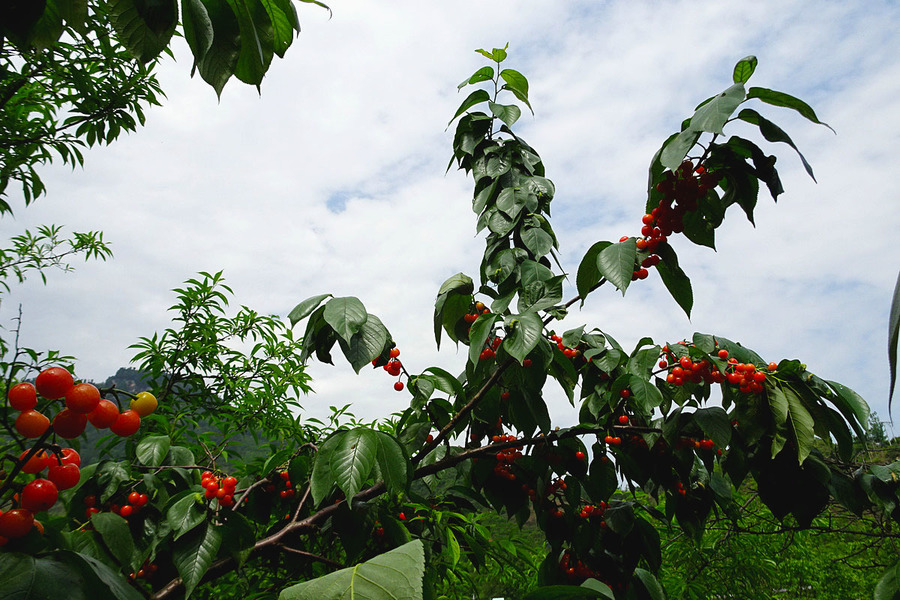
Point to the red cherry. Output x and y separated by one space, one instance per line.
134 498
36 463
623 419
126 424
773 366
104 414
580 455
53 383
126 510
395 352
65 476
16 523
22 396
398 386
39 495
82 398
69 424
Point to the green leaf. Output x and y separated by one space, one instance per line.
888 587
117 537
345 315
778 402
773 133
152 450
198 28
345 459
476 97
482 74
715 423
366 344
185 513
194 553
24 577
394 575
538 241
508 113
445 382
851 404
893 336
645 392
517 84
744 69
674 151
102 581
527 330
144 27
616 263
712 116
305 308
650 584
392 463
588 274
802 423
785 101
478 334
217 64
675 280
283 17
256 40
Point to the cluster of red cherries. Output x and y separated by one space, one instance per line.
392 367
219 488
506 457
681 190
135 501
746 376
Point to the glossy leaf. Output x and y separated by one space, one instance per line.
366 344
345 315
185 513
786 101
346 459
28 578
478 334
217 64
508 113
588 274
256 40
616 263
392 463
305 308
773 133
527 330
145 27
116 536
152 450
394 575
476 97
198 28
194 554
677 282
744 69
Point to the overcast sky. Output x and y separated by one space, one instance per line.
333 180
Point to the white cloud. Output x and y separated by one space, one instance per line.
355 114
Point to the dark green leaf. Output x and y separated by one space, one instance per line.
185 513
24 577
476 97
773 133
305 308
677 282
893 335
198 28
588 274
478 334
256 40
145 27
217 64
366 344
527 330
715 423
786 101
117 537
616 263
392 463
194 553
345 315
